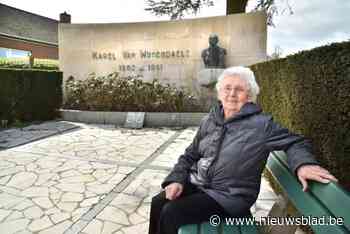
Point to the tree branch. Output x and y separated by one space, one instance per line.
176 8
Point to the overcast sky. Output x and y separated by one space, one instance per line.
314 22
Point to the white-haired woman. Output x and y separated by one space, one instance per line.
220 172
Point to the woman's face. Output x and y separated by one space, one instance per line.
233 93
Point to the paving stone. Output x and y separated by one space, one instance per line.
43 202
24 204
148 182
136 218
5 179
36 192
109 227
116 178
75 176
24 232
94 227
22 180
102 166
78 213
89 194
5 164
10 190
144 210
52 210
126 202
89 201
131 207
141 228
40 224
102 175
15 215
114 215
78 179
71 187
142 143
72 197
44 178
11 171
56 196
13 226
67 206
50 183
4 214
33 212
66 168
100 188
70 173
32 167
62 183
7 201
57 229
19 136
59 217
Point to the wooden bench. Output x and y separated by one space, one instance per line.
322 200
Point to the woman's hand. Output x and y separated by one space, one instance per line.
314 172
173 191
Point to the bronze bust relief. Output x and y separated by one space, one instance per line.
214 56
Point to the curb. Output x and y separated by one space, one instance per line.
152 119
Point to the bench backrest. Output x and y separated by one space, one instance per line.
322 200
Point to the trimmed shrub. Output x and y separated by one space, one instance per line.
309 93
30 95
113 93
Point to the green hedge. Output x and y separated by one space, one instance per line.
309 93
30 95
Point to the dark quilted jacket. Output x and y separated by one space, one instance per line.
227 157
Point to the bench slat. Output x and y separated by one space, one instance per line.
303 201
230 229
249 229
206 228
339 207
188 229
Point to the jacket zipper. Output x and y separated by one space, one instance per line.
211 169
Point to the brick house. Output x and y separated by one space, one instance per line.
22 32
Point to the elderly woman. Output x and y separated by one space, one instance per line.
220 172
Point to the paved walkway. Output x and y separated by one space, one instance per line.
90 179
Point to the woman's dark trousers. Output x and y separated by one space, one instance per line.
193 206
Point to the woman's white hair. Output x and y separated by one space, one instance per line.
245 74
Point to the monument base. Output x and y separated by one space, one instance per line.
206 80
209 76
